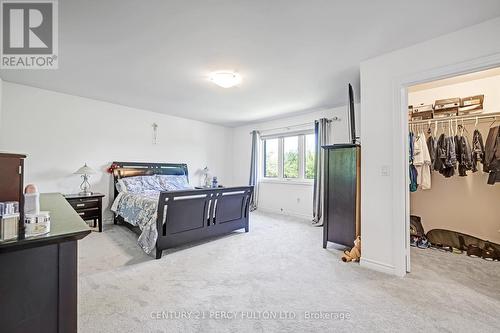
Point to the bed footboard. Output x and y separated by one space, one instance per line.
192 215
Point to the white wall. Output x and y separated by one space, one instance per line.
289 199
383 127
488 86
458 203
60 132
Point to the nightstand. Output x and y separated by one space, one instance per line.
89 207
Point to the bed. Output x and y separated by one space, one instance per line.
156 200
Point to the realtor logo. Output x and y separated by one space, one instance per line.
29 34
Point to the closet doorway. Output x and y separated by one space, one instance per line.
454 199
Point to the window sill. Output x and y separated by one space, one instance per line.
287 181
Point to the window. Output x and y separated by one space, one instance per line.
271 158
309 156
289 158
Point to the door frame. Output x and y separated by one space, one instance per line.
401 210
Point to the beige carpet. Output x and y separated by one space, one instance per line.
245 282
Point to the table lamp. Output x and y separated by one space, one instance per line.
85 171
206 178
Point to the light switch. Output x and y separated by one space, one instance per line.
385 171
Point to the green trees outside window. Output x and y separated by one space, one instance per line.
271 158
309 152
289 157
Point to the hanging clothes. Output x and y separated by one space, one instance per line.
446 158
458 152
452 153
440 153
464 155
412 170
491 162
422 161
477 150
451 158
431 147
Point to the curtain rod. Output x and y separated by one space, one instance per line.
298 125
467 117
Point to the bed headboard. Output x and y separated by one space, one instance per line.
130 169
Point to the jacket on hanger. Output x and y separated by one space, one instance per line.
451 158
446 158
477 150
431 147
468 153
440 153
492 155
464 155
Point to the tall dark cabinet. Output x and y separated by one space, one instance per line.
341 222
11 176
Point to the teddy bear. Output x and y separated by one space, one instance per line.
355 253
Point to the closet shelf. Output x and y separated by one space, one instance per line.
468 117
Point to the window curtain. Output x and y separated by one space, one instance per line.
254 170
322 137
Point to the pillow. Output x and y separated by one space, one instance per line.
173 182
138 184
120 186
151 183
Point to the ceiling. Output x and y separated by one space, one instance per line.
294 56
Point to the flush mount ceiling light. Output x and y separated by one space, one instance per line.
225 79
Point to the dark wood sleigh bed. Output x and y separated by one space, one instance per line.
188 216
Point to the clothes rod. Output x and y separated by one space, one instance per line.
298 125
467 117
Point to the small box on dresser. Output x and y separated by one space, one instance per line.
89 207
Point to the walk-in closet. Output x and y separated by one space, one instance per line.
454 172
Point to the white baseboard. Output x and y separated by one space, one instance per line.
286 213
378 266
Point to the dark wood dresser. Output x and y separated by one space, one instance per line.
89 207
12 181
38 275
341 223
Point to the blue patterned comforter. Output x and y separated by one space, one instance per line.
140 210
137 203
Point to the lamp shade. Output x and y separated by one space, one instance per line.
84 170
